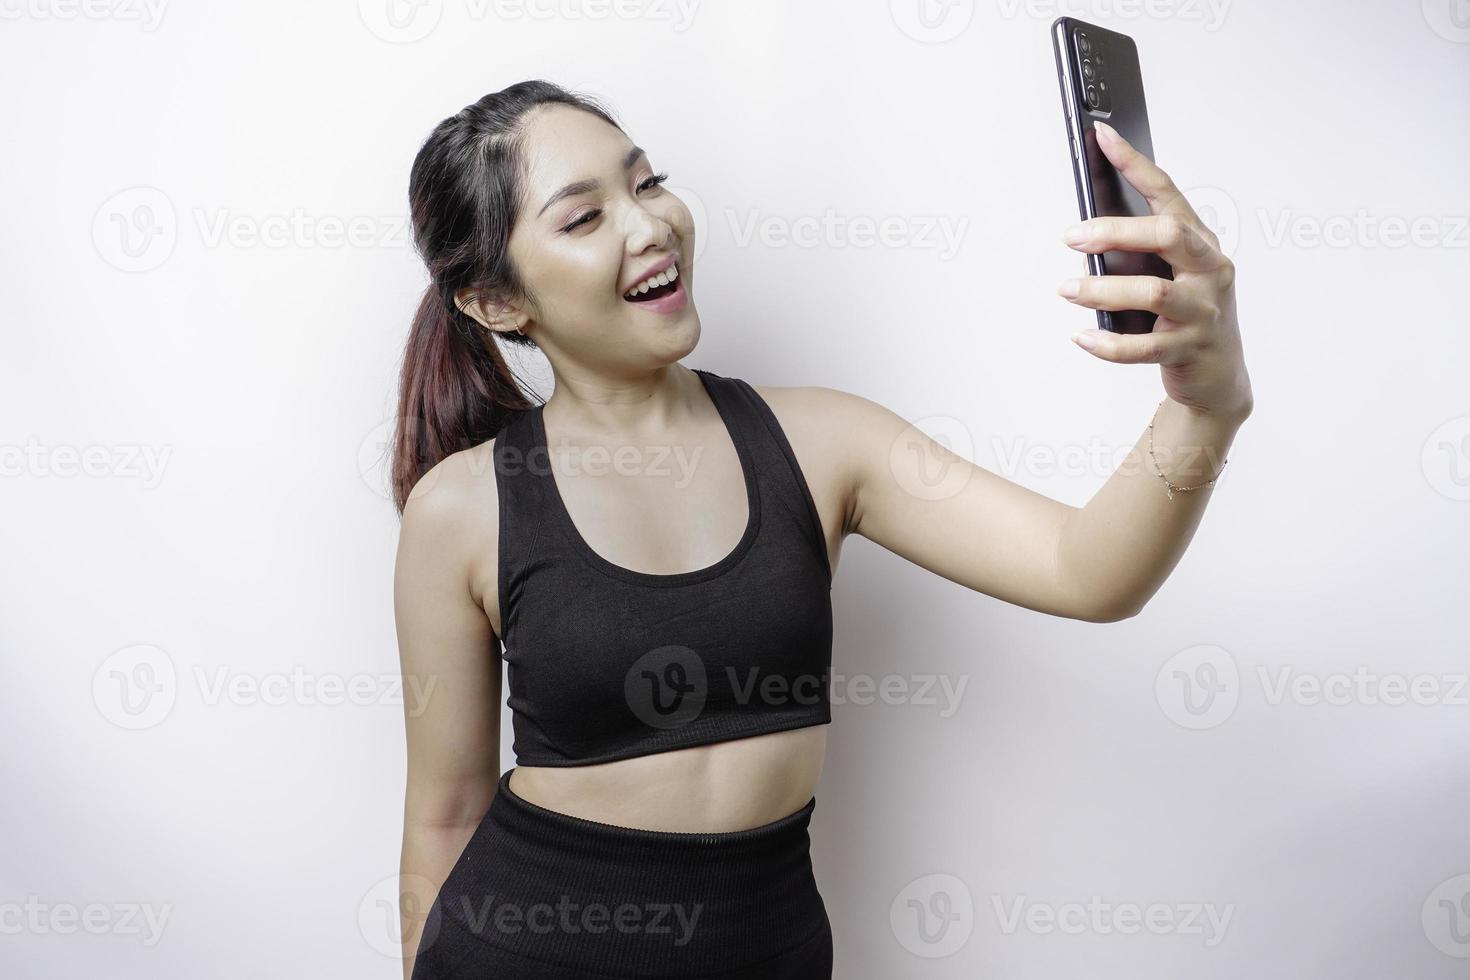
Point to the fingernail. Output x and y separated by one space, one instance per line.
1075 235
1087 340
1070 289
1107 132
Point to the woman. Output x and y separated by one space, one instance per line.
663 592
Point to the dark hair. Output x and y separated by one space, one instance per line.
464 191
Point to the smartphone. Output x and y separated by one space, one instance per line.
1100 79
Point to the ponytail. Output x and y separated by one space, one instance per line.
464 190
455 391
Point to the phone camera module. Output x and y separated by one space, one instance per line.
1089 61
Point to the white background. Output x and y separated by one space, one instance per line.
229 390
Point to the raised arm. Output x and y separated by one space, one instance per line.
1132 533
1104 561
1099 563
918 499
451 681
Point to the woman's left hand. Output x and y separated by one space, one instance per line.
1196 338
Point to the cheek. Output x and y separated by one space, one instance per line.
576 274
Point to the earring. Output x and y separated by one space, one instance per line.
518 329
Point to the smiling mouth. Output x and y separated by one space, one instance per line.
674 274
657 292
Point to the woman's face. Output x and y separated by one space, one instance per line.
593 223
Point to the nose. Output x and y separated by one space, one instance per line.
647 230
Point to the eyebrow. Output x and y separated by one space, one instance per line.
583 186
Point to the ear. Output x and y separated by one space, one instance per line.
492 312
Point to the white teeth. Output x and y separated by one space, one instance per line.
662 279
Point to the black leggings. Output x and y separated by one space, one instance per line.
543 895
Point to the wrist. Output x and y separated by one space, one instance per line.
1187 447
1234 409
1231 416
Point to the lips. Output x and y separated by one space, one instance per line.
656 293
670 299
662 265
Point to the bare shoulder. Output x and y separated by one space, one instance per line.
821 406
452 514
836 420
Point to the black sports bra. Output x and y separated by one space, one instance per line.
605 662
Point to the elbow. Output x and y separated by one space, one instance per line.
443 822
1080 595
1120 616
447 807
1114 612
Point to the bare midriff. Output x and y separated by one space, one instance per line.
725 786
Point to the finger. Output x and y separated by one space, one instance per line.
1159 347
1165 297
1146 177
1182 243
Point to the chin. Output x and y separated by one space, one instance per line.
683 338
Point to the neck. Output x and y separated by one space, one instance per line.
587 406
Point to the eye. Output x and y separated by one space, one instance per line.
586 217
653 181
648 184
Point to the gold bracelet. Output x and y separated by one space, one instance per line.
1171 487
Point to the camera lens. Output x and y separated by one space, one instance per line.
1092 96
1084 45
1087 71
